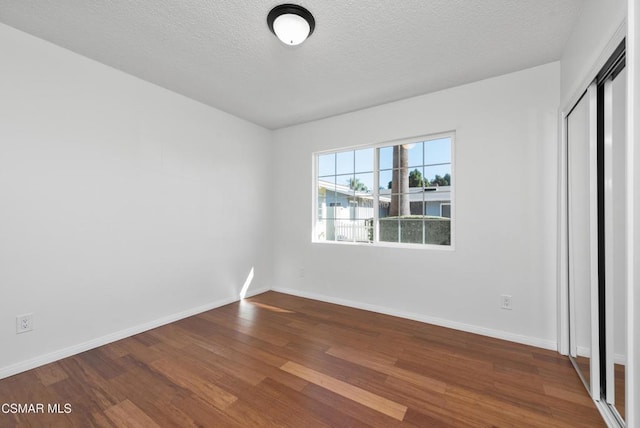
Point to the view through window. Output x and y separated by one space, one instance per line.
391 193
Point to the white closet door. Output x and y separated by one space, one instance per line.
582 225
616 238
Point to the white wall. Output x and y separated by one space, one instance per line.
122 204
582 54
506 136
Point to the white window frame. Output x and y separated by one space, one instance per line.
376 193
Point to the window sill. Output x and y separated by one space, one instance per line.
396 245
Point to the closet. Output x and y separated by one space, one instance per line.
596 236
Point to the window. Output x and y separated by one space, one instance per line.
388 194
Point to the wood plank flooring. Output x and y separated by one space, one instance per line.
277 360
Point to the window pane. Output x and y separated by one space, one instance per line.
389 229
363 208
386 157
415 155
362 230
326 195
384 179
326 165
344 162
322 203
363 183
328 183
411 230
369 230
438 231
432 208
321 229
401 203
417 206
344 184
364 160
350 230
437 151
383 206
445 210
330 231
337 209
416 177
343 230
438 175
399 177
365 201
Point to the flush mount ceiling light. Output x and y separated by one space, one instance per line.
291 23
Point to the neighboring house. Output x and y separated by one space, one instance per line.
340 201
431 201
345 214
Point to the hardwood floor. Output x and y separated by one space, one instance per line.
278 360
620 398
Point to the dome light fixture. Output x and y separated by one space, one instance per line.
291 23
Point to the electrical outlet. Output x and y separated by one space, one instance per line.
506 302
301 272
24 323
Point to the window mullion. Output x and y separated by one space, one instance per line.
424 198
355 201
376 194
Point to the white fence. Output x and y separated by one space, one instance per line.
344 223
349 230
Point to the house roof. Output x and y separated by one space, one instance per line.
417 194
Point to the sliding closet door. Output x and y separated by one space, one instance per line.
582 239
615 238
597 237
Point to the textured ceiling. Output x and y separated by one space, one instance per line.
362 53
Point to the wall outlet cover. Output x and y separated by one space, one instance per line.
24 323
506 302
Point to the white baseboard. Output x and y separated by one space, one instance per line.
583 351
498 334
128 332
41 360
